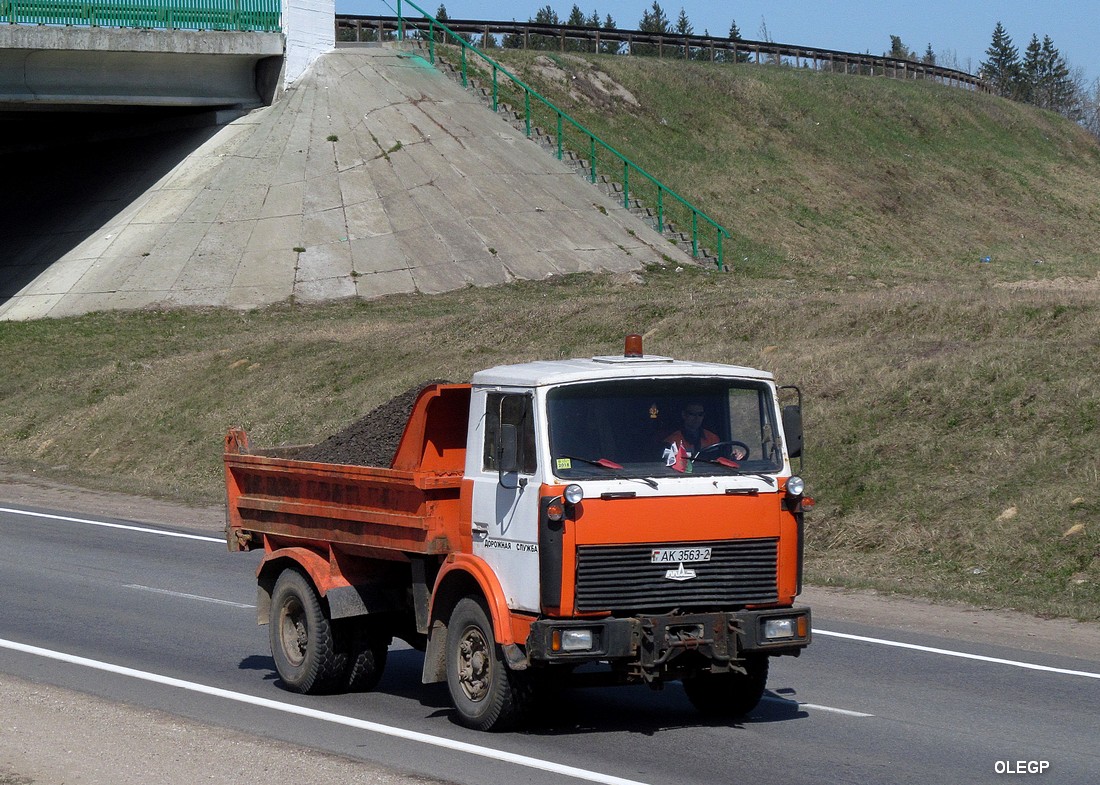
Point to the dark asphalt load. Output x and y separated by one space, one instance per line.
371 440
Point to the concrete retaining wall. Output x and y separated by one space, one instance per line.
310 32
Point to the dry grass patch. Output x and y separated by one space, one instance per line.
930 409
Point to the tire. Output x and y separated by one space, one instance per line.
302 642
487 696
366 660
728 694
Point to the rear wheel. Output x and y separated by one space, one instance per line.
729 694
485 693
302 643
366 661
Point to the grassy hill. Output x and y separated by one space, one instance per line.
836 175
952 409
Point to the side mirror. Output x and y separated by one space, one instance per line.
792 429
508 459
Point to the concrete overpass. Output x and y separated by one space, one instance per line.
152 184
56 54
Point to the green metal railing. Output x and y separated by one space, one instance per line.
235 15
622 167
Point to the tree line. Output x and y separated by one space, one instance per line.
654 20
1041 77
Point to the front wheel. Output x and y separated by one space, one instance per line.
302 643
485 693
728 694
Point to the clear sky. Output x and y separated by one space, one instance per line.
959 30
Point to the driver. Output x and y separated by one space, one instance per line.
693 436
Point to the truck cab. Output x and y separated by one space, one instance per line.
643 512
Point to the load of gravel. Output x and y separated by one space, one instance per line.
373 439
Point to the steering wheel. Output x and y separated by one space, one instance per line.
723 450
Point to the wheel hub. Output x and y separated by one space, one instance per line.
294 635
474 664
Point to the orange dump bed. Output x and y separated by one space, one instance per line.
411 506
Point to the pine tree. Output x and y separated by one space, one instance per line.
929 56
684 27
593 22
735 35
1002 69
1057 90
653 20
544 16
898 50
442 35
1031 72
611 47
576 19
441 15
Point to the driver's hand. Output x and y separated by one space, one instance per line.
738 453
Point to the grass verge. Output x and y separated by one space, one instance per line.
951 430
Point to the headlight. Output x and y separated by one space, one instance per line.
785 628
573 494
571 640
795 486
779 628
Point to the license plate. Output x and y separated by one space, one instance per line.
679 555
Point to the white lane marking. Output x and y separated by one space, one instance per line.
815 707
143 529
351 722
960 654
186 596
880 641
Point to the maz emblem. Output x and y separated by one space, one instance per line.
680 574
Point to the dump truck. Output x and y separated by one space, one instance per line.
549 523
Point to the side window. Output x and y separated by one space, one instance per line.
510 409
752 422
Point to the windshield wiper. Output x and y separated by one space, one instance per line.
728 464
603 463
610 465
759 475
717 462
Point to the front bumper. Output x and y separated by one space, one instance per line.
656 643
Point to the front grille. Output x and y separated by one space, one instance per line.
622 577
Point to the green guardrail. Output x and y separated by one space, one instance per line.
622 167
226 15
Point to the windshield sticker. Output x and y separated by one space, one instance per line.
564 463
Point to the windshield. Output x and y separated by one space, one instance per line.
663 428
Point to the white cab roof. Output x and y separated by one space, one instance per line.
543 373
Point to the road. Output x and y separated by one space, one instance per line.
162 619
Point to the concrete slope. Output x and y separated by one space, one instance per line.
389 176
